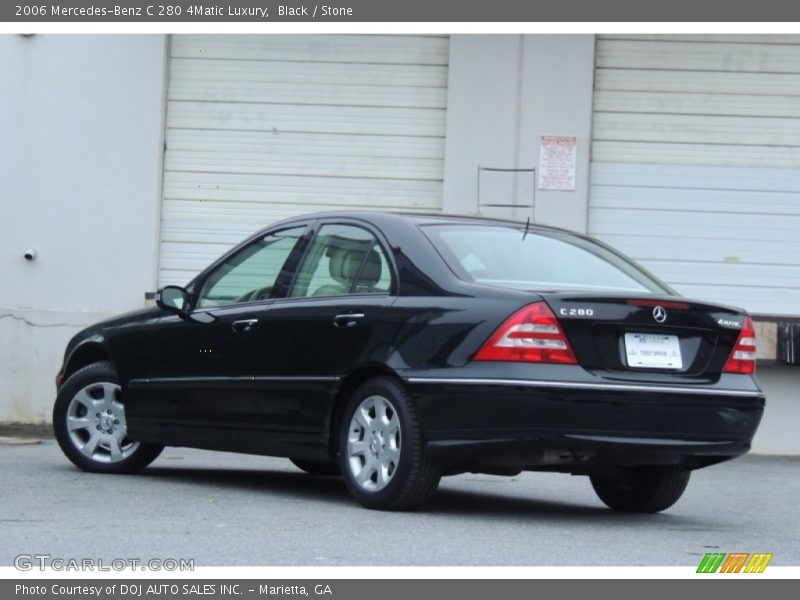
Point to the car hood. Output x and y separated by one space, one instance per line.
134 316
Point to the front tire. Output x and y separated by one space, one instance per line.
642 489
90 426
381 449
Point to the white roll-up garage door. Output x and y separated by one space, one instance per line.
696 163
260 128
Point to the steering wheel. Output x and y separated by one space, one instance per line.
256 294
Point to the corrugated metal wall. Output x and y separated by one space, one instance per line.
695 156
264 127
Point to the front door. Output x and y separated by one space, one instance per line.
200 374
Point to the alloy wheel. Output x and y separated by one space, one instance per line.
373 443
96 423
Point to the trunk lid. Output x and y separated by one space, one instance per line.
647 338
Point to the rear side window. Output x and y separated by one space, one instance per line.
343 259
502 256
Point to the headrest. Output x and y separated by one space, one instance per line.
343 266
371 273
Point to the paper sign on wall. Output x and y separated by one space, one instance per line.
557 159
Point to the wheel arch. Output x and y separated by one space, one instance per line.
88 352
347 386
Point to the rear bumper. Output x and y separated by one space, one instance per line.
560 424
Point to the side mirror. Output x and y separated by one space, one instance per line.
173 298
176 300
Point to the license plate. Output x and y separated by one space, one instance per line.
653 351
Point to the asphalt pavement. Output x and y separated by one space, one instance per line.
233 509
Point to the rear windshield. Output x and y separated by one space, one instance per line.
542 261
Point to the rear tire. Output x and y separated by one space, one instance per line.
642 489
90 426
323 469
381 449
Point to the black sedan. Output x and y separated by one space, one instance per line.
395 349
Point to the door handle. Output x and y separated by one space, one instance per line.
244 325
348 319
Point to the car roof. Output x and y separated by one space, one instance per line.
426 219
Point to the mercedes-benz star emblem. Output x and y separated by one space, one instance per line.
660 314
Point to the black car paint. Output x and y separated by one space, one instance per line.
276 388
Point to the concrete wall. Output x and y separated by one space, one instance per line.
80 167
504 93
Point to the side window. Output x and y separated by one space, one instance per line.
343 259
250 274
376 276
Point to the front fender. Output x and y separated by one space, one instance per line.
85 352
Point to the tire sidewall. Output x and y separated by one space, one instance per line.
409 443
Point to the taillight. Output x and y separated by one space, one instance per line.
743 355
532 334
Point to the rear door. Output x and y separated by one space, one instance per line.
333 319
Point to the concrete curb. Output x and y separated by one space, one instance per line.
39 431
18 441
